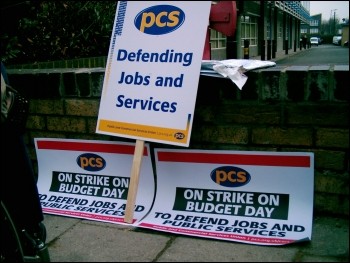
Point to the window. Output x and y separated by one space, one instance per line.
280 30
268 30
217 39
249 30
313 30
303 31
314 23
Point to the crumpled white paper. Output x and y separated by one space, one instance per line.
233 69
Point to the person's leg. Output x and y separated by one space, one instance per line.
18 185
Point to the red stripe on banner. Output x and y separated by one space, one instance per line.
219 235
83 215
238 159
90 147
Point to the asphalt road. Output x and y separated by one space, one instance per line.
319 55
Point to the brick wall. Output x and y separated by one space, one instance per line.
297 108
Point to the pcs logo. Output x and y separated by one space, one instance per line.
159 19
91 162
179 136
230 176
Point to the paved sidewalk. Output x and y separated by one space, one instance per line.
78 240
281 54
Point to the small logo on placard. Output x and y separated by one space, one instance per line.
91 162
179 136
230 176
159 19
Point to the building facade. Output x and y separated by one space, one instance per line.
266 26
345 33
313 28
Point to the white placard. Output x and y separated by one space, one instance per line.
153 68
90 179
263 198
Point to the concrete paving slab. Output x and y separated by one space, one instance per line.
77 240
186 249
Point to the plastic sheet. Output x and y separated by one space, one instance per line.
233 69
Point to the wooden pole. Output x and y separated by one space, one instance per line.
134 181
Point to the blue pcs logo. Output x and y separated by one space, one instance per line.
159 19
230 176
91 162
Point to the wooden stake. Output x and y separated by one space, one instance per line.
134 181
